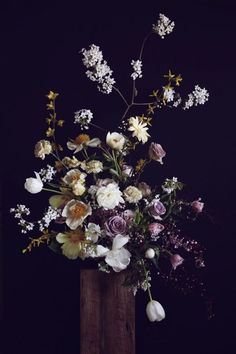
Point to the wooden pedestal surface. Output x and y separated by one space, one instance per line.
107 314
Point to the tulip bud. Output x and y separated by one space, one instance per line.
34 185
155 311
150 253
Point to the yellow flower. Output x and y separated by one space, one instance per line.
170 76
50 132
73 244
52 95
178 79
60 122
50 106
139 165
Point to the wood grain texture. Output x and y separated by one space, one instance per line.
107 314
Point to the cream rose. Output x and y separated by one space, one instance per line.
132 194
109 196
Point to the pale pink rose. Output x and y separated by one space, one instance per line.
155 228
145 189
197 206
176 260
128 215
156 152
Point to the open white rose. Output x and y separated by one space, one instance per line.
118 257
109 196
34 185
115 140
155 311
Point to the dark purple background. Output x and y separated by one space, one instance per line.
40 51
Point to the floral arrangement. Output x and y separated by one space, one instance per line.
100 208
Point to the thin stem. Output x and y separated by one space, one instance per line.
146 276
51 190
123 98
126 111
143 103
58 158
143 45
97 126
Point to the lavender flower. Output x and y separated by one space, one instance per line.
115 225
156 209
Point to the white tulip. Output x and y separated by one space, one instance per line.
34 185
115 140
155 311
150 253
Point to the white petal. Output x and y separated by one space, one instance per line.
94 142
71 146
119 241
101 251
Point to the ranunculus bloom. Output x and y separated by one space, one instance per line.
34 185
145 189
132 194
115 140
115 225
156 209
155 228
197 206
155 311
42 148
176 260
110 196
73 245
92 166
156 152
75 213
150 253
118 257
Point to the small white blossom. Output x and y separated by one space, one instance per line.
197 96
98 71
164 26
137 67
83 117
19 211
47 174
50 215
168 94
177 102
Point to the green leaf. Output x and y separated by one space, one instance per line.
56 200
114 172
55 246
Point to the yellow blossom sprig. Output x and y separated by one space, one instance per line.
52 120
36 242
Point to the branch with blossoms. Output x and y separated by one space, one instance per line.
100 208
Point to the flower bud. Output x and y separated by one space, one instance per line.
155 311
127 170
197 206
176 260
145 189
155 228
156 152
150 253
34 185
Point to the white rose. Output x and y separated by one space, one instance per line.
132 194
115 140
34 185
155 311
109 196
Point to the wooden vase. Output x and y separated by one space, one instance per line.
107 314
